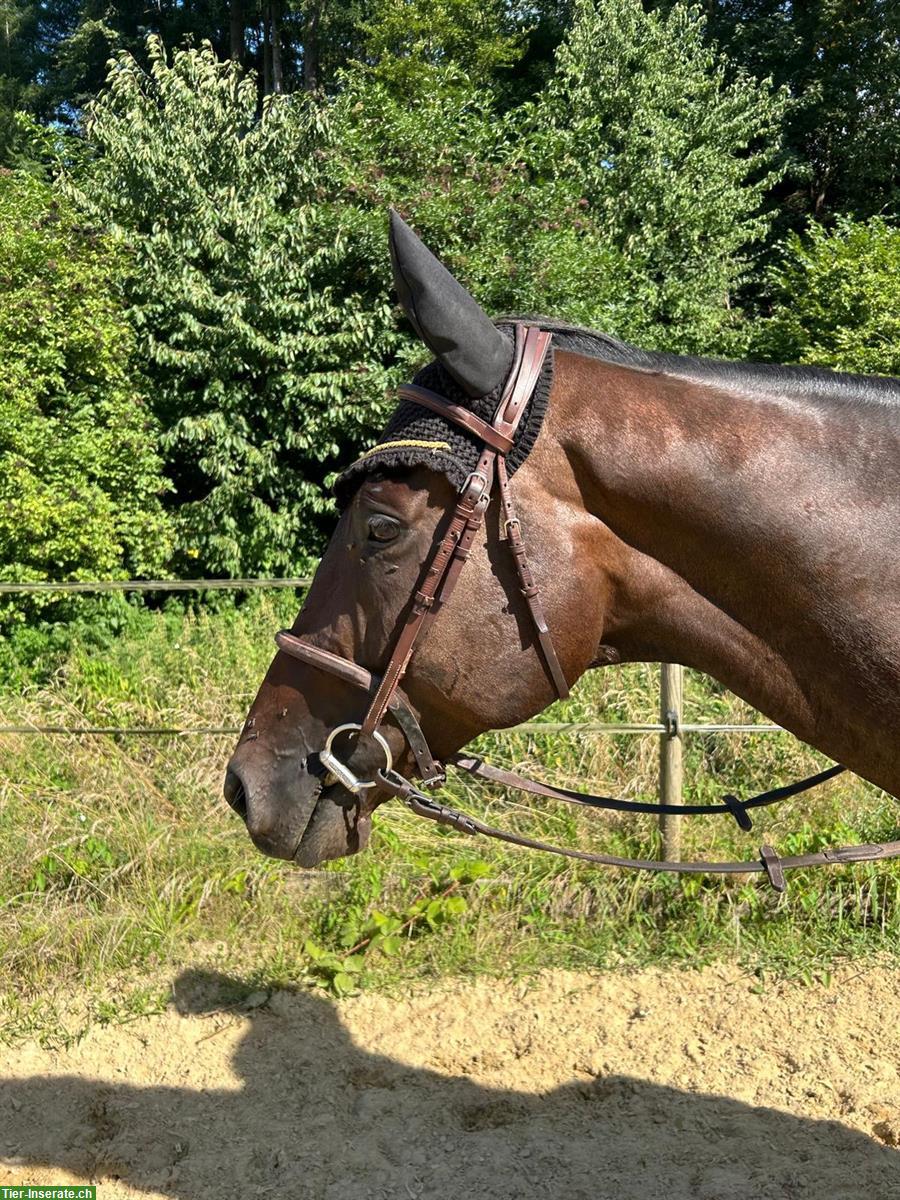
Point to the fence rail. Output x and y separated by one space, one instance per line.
154 585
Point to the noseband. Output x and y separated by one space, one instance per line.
440 577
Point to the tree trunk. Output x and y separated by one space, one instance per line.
236 22
311 50
266 49
277 73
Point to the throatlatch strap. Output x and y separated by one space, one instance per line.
528 587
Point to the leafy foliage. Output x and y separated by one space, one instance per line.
412 43
461 172
672 161
26 145
365 929
54 54
836 299
840 59
79 474
262 305
264 350
627 197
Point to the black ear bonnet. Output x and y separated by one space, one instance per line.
416 437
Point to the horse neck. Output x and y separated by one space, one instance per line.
680 475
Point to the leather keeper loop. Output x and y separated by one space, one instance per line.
738 811
772 864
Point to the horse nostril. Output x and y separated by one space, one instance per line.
235 794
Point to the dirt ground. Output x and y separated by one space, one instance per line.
679 1086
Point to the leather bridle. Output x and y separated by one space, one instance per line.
531 346
442 572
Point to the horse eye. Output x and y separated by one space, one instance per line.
383 528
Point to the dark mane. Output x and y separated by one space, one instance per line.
814 383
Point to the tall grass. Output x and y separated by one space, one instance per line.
121 863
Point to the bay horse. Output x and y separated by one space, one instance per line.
736 518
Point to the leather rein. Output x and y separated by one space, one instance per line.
532 345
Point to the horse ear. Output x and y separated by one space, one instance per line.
445 316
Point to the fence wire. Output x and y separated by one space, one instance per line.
190 585
154 585
530 727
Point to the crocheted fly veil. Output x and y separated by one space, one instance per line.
417 437
473 358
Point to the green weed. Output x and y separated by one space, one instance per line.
121 864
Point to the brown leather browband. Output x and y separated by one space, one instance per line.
439 579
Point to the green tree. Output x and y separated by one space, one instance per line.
264 348
409 43
670 160
627 197
836 300
461 170
840 60
80 478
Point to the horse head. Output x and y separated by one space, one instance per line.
478 663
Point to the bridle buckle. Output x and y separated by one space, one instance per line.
475 490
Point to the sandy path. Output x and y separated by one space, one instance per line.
645 1087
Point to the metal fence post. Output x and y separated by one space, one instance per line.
671 693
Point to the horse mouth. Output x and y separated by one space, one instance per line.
338 826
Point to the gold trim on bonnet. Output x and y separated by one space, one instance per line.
411 444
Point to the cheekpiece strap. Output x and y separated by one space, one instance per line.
442 572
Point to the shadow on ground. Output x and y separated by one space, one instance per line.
317 1117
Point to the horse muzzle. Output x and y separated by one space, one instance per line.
295 814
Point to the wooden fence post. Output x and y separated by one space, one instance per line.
671 692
